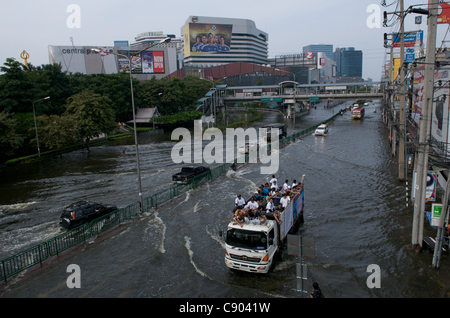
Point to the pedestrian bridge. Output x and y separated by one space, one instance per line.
288 94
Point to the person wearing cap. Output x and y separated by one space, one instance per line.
240 202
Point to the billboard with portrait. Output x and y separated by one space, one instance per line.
205 38
146 62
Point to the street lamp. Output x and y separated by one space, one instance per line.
35 126
166 40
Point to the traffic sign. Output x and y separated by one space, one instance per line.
314 98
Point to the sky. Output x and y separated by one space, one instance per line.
33 25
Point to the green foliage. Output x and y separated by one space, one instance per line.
55 131
20 86
91 113
9 139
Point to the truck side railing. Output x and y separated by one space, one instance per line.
37 254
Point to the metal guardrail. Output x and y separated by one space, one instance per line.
35 255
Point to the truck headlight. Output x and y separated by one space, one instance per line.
266 258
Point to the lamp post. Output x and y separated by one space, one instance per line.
166 40
35 126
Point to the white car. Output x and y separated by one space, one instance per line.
249 146
321 130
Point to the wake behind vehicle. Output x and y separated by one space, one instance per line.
82 212
188 172
322 130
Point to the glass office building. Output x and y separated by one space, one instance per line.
348 62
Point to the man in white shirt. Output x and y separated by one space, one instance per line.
286 186
273 180
251 207
240 202
285 201
270 206
294 184
274 186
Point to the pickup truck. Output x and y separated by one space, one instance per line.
189 172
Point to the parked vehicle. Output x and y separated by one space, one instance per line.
82 212
255 247
189 172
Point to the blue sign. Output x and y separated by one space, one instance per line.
418 19
409 58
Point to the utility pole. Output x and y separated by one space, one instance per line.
425 128
402 126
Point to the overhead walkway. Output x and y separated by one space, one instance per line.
287 94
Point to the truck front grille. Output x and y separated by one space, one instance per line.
245 258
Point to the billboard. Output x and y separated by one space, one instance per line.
145 62
205 38
443 12
410 39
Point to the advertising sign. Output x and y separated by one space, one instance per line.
430 192
410 39
147 62
439 127
443 12
205 38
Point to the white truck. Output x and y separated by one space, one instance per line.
254 248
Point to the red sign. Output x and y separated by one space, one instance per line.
443 12
322 61
158 62
309 55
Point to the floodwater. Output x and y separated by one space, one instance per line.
355 210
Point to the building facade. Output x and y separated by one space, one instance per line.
211 41
158 61
316 48
349 62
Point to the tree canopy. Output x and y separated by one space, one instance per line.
76 95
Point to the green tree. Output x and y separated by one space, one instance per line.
17 92
9 139
55 131
92 115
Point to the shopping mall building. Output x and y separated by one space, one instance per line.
208 47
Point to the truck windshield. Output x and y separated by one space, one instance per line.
246 239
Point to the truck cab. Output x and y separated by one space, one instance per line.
252 247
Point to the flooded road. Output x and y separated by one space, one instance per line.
354 208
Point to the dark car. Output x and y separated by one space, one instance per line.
189 172
83 212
